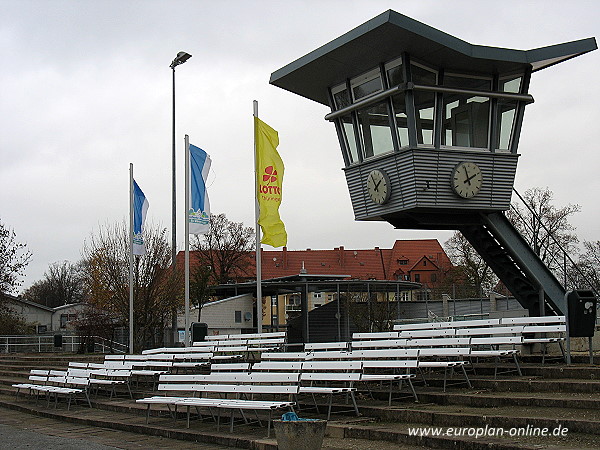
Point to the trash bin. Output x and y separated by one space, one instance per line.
293 433
58 340
582 313
199 331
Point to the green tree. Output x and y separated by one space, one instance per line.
11 322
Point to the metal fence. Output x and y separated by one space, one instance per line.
59 343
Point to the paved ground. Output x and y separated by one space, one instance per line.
24 431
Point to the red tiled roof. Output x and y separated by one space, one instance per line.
375 263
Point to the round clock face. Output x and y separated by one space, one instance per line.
378 186
467 179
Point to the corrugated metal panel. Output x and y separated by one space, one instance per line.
422 178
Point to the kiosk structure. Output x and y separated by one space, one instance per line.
429 127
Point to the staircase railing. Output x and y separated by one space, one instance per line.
68 343
567 274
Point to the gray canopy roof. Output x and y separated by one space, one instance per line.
388 35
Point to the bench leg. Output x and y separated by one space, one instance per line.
466 376
517 364
329 410
562 350
445 377
353 403
412 388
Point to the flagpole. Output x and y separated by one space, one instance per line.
130 257
187 241
259 305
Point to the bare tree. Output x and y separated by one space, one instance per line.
546 227
368 312
225 249
200 290
470 271
157 288
62 285
14 258
588 275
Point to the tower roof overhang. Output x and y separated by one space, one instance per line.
390 34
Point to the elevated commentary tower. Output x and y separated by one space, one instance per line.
429 126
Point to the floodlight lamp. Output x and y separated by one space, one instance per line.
180 59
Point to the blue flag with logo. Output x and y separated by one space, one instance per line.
199 208
140 208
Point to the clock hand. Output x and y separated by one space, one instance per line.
377 184
468 179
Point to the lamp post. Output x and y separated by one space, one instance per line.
179 59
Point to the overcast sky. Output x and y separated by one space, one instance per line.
85 89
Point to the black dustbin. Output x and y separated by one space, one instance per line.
582 313
199 331
58 340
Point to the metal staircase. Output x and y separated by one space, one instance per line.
506 252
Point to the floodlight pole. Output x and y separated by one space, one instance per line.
179 59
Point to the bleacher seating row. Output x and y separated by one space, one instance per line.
82 378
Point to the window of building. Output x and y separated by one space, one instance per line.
341 99
466 117
433 277
401 296
423 295
366 84
66 318
507 112
238 317
403 262
375 130
424 262
424 103
418 277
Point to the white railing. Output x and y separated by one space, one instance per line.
69 343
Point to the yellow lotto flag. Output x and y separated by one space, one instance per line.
269 179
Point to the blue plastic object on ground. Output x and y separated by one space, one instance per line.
293 417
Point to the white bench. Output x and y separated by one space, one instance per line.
54 387
227 383
107 379
327 346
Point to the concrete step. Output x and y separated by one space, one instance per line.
487 399
367 433
576 420
548 371
514 383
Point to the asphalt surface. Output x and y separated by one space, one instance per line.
23 431
15 438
